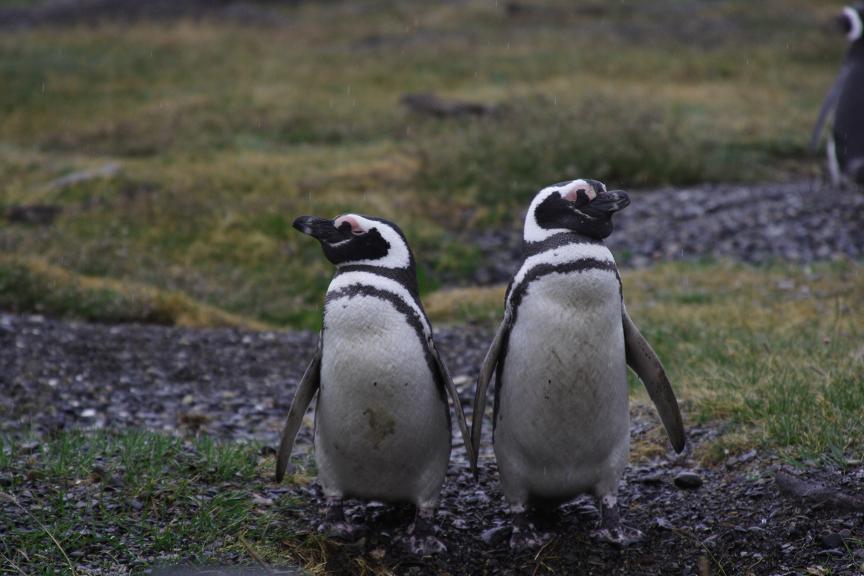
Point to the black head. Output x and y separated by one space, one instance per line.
581 206
353 239
851 22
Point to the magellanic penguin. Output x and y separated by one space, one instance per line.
561 418
845 101
382 423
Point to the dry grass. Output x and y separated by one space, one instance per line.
32 285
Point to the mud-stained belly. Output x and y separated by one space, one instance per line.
381 422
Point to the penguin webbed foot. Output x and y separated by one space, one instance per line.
427 545
339 530
525 534
421 539
620 537
335 525
612 531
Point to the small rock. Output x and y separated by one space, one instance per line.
496 535
28 447
98 473
831 540
459 524
688 480
655 478
664 523
5 480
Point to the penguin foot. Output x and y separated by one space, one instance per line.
421 540
424 545
339 530
527 538
620 536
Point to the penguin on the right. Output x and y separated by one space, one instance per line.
561 422
845 146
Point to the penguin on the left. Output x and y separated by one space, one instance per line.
382 421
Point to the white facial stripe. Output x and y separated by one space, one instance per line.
397 256
368 279
563 255
533 231
857 27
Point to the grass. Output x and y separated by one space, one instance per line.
774 356
107 499
31 285
225 133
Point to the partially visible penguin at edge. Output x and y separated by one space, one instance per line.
845 101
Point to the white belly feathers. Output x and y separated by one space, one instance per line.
563 419
381 422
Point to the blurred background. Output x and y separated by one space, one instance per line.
153 154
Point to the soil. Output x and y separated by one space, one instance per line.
730 519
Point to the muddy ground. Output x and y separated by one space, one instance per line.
238 385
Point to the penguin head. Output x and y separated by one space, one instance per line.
581 206
353 239
851 22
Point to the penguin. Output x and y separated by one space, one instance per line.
382 421
845 146
561 423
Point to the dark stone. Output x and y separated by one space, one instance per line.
33 214
688 481
831 540
496 535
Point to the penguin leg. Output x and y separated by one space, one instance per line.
612 530
525 534
335 525
421 540
833 163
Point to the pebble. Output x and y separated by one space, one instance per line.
831 540
496 535
688 481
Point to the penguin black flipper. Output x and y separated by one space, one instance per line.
828 106
644 362
486 371
457 404
306 390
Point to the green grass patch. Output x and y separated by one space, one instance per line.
225 133
134 498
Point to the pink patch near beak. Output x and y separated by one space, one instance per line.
571 195
355 226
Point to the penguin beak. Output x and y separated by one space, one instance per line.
321 229
607 202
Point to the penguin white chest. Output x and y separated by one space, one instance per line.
562 424
381 422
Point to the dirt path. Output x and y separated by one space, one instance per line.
237 385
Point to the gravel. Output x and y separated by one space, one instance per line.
797 222
237 385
